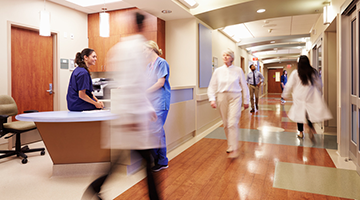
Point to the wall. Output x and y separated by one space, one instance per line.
330 78
181 51
26 14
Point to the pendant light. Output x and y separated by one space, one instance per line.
44 22
104 23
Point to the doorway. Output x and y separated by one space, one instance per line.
242 64
274 77
31 70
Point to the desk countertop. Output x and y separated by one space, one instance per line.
67 116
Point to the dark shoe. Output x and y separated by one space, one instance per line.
252 110
157 168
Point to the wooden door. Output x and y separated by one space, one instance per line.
31 70
274 77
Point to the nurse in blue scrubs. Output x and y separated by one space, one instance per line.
80 96
159 92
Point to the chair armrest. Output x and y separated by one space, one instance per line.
30 111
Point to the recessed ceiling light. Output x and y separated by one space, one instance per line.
272 42
260 10
166 11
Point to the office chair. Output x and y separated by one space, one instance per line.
9 108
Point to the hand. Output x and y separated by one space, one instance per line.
259 84
153 116
213 104
246 106
99 104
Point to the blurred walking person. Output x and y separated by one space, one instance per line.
226 90
131 131
306 89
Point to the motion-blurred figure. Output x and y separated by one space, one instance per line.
308 105
159 93
131 131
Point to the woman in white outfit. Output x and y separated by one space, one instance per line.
308 105
224 92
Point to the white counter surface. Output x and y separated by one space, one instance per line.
67 116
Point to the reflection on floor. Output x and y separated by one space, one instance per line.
267 141
200 169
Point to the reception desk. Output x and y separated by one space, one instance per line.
72 137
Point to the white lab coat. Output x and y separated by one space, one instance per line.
306 99
133 129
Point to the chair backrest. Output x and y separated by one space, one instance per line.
8 106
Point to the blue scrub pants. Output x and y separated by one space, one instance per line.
160 154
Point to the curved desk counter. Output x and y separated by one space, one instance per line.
72 137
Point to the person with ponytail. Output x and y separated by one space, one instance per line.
80 96
308 105
158 93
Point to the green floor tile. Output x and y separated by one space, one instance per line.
318 180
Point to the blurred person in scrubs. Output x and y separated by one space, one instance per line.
305 86
80 95
136 116
159 93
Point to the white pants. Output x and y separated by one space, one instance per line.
229 105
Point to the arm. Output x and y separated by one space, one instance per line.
160 83
245 89
262 79
83 96
212 89
97 100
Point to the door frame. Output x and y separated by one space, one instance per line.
347 100
56 81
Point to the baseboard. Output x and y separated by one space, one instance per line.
80 169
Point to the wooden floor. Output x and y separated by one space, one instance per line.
205 172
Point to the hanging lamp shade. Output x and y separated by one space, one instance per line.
44 23
104 24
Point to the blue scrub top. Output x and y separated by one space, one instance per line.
80 79
160 99
283 79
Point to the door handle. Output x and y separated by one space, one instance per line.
50 90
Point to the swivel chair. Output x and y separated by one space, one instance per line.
9 108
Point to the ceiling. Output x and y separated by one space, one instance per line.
290 21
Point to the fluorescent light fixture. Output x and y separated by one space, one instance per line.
272 42
87 3
104 24
303 52
326 10
44 23
260 10
189 3
237 32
